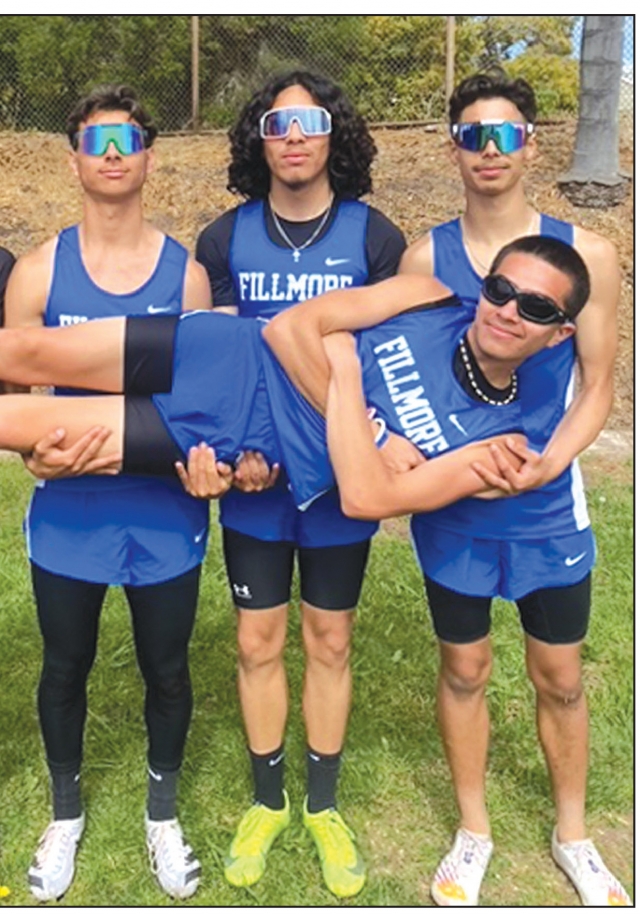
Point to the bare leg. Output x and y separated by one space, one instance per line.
464 725
262 680
563 726
89 355
326 698
26 418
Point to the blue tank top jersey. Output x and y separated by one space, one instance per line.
545 390
267 279
409 379
230 391
114 529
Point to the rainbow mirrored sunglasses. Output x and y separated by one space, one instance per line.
509 136
312 121
94 140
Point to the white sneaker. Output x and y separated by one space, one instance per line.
172 859
459 876
582 863
51 872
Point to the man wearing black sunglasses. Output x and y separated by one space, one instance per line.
493 142
301 156
147 535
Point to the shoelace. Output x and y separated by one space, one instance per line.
168 844
337 838
253 836
470 851
55 841
589 863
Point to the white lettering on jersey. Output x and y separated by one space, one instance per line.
258 286
413 409
66 320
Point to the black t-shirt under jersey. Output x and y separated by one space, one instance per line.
384 242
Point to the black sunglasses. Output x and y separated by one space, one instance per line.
532 307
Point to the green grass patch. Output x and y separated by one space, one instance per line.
395 789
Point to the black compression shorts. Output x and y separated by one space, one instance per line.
554 615
260 572
149 449
148 354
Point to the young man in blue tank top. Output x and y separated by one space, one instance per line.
492 142
301 156
84 534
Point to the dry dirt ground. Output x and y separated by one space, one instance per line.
414 184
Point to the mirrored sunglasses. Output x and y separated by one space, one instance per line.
95 139
509 136
276 124
532 307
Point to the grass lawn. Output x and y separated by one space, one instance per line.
394 790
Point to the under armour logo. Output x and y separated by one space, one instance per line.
242 590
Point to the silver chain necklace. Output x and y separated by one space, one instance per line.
297 250
474 257
476 388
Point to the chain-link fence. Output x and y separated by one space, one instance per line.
195 72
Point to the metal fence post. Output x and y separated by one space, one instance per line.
195 72
450 58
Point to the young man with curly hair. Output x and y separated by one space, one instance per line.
301 156
83 535
492 127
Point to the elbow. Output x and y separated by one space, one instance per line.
278 332
359 505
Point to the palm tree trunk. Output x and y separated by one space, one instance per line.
594 178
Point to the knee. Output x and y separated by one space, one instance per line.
259 645
170 686
466 670
65 674
328 642
558 686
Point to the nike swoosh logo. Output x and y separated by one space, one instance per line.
574 561
199 536
453 419
156 777
334 261
152 309
274 761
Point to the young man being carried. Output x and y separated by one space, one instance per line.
493 141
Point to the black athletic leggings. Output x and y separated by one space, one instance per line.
163 616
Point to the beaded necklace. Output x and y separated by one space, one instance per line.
513 390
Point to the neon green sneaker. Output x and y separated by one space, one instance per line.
258 829
342 866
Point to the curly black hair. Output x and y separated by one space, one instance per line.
351 150
493 84
111 97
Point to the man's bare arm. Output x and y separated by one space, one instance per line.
596 340
295 335
368 489
197 292
418 257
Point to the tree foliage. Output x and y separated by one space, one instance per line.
391 66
